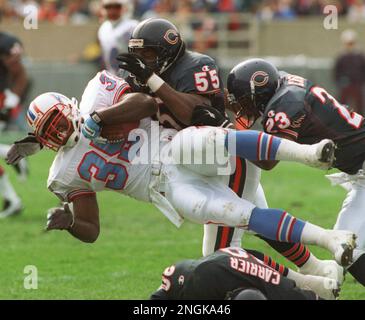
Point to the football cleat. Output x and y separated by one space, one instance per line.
342 244
322 154
324 268
326 288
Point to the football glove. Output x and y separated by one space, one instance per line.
91 127
23 148
135 65
60 218
209 116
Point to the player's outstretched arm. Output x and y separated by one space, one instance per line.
23 148
81 219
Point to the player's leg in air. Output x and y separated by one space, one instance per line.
250 145
245 182
11 202
213 202
218 237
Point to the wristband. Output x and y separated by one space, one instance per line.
95 116
155 82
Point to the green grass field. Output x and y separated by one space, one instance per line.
136 241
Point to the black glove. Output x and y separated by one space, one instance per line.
209 116
135 65
23 148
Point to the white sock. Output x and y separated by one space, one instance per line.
6 189
313 234
292 151
4 148
311 263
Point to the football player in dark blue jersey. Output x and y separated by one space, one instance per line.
13 85
297 109
229 272
187 85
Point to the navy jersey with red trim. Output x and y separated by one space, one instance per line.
192 73
8 45
219 274
308 113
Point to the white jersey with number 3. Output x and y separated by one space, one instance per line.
89 167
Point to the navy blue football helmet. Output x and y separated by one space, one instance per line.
163 37
251 84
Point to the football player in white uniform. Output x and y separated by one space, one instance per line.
115 31
83 167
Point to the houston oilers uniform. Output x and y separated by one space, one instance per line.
89 167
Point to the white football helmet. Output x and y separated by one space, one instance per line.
54 119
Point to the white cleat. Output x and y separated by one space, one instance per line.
11 209
321 155
326 288
324 268
342 244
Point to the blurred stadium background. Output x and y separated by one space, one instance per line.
135 246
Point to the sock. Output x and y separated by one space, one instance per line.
357 269
267 260
256 145
297 253
313 234
276 224
6 189
252 145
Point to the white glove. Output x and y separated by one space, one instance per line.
11 99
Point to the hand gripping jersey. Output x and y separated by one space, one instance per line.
216 276
192 73
308 113
114 40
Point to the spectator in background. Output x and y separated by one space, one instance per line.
159 8
48 10
356 11
204 27
24 7
349 73
309 7
114 33
276 9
